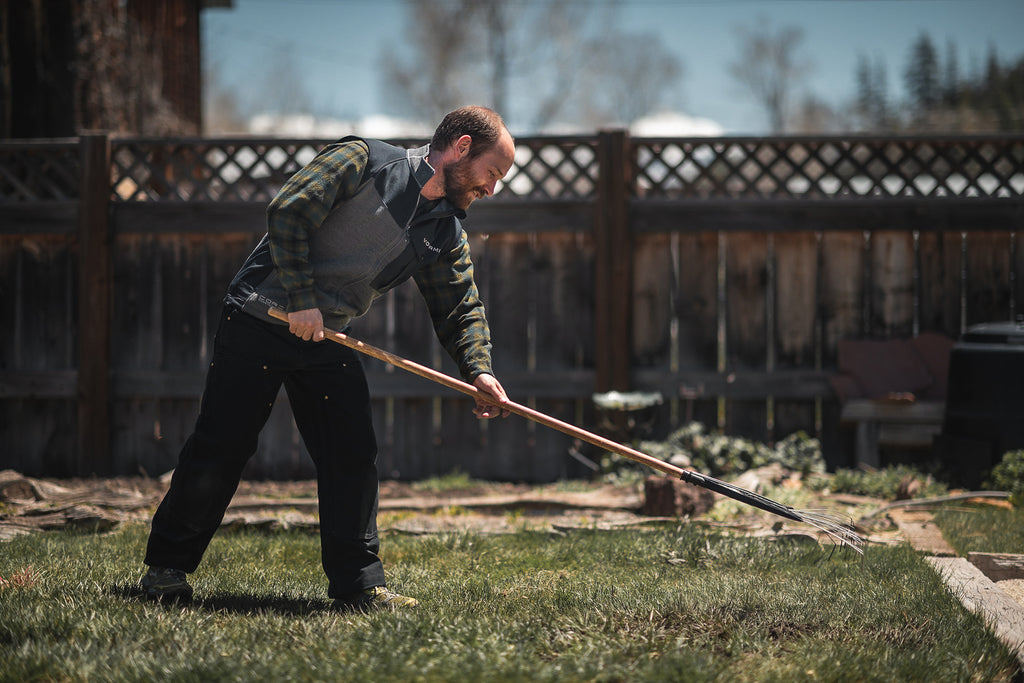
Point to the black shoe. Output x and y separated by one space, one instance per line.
374 598
163 583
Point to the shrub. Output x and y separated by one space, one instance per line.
889 483
1008 475
720 455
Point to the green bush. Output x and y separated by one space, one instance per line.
1008 475
888 483
720 455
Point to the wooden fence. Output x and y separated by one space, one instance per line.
719 272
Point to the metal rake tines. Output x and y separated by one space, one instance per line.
837 527
833 525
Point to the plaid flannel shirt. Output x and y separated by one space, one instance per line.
447 286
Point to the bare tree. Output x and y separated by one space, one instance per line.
770 67
627 76
220 106
817 117
118 76
283 89
438 73
536 62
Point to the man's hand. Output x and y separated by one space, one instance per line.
488 384
308 324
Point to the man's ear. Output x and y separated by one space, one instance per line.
463 145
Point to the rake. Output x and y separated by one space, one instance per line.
837 528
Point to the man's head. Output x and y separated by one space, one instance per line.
471 150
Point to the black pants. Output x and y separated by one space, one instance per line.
331 403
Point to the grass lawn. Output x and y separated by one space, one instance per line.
662 604
982 528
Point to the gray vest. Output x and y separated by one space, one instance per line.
367 244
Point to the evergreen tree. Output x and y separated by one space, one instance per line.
921 77
872 104
951 77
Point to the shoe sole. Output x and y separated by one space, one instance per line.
369 606
168 596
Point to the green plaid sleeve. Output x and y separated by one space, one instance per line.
457 311
302 205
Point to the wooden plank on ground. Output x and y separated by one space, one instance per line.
979 594
920 531
998 566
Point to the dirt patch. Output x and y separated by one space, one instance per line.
29 505
32 505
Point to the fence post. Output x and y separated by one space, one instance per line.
613 263
95 307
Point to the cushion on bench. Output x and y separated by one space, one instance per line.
879 369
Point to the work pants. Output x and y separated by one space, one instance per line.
330 401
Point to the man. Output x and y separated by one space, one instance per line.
360 218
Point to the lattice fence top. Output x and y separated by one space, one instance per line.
206 170
39 172
254 170
550 168
829 168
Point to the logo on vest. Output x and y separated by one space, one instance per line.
431 247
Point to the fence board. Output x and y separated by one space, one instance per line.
747 270
939 299
796 300
416 422
696 314
796 328
561 280
988 285
891 289
511 314
1017 285
653 300
38 278
843 290
138 345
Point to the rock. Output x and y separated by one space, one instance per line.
756 479
16 488
908 488
667 497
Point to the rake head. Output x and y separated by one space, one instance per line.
838 528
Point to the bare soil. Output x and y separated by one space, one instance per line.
29 505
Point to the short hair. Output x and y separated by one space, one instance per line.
480 123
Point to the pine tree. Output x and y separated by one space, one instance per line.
922 77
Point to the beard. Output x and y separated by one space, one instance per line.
458 186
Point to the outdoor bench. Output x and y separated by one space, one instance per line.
892 392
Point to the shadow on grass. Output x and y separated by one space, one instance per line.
235 603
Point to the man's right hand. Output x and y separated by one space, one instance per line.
307 324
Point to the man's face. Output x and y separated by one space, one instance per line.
470 178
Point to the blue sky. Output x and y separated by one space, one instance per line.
333 45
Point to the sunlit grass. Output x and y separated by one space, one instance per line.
982 528
456 480
667 603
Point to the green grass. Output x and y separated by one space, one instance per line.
883 483
982 528
456 480
664 604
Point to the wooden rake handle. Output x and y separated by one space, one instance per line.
511 406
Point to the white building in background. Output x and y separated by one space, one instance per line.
380 126
669 124
375 126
